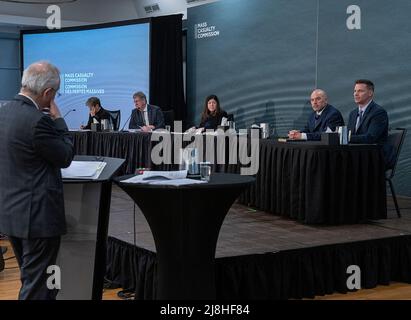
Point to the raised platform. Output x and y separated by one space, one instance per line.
261 256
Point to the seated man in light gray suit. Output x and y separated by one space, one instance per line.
34 146
145 116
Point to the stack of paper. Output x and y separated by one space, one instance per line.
83 170
168 178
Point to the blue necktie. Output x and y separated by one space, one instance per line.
317 118
359 120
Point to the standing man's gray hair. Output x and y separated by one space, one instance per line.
39 76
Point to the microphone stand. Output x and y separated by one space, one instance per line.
122 129
68 112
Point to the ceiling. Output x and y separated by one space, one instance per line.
15 16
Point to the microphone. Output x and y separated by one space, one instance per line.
68 112
122 129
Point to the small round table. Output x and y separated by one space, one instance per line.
185 222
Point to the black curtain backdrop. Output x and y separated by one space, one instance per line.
166 65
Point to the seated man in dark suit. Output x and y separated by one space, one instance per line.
34 147
369 122
324 116
145 116
97 113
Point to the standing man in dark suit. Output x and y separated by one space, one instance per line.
324 116
145 117
369 122
34 146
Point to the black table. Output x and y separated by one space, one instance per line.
134 147
185 222
319 184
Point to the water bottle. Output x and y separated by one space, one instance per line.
343 135
189 161
104 125
266 130
194 165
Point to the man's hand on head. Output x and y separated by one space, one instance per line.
54 110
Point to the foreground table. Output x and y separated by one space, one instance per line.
185 222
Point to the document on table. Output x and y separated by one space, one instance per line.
167 178
83 170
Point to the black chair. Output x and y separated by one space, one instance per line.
115 119
169 118
395 140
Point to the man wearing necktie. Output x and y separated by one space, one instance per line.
145 117
368 122
323 116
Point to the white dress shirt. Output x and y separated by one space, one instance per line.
145 116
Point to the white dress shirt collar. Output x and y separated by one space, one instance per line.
34 102
364 108
321 111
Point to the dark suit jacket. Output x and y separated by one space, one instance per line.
100 115
373 129
329 118
155 118
212 122
33 148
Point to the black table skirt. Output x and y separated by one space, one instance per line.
320 184
135 148
311 183
289 274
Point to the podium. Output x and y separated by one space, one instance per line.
82 255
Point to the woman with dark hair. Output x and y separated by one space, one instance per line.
212 113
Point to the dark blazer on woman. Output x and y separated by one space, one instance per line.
212 122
